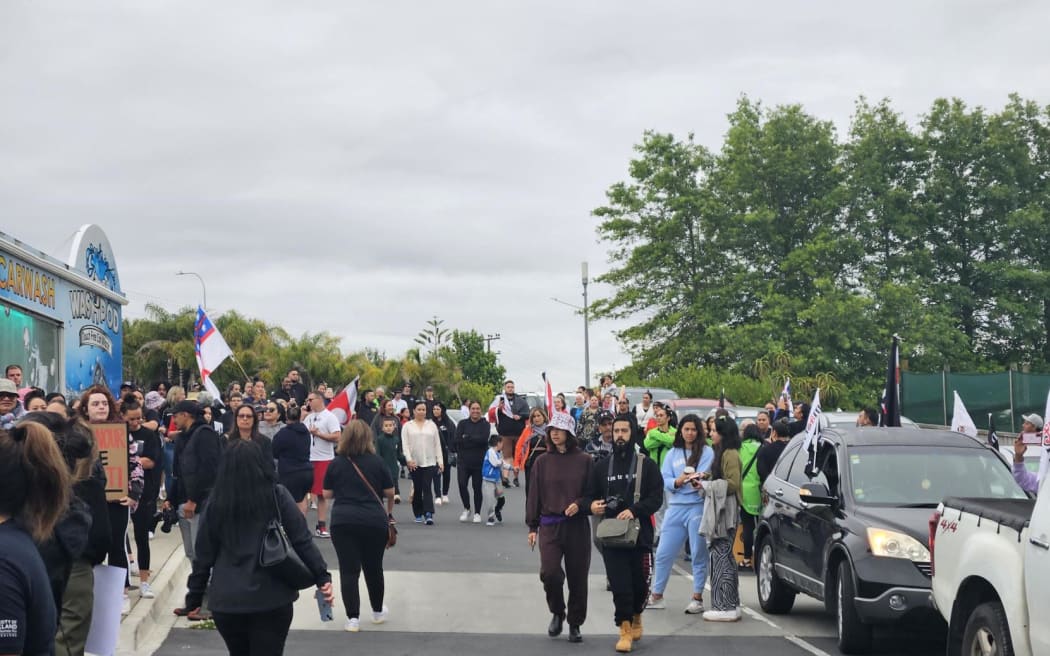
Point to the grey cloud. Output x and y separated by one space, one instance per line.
438 158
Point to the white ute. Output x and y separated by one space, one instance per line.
991 574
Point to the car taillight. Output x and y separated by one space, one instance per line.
935 519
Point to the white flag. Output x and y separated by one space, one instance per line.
961 421
210 348
813 423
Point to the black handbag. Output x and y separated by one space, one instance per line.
278 556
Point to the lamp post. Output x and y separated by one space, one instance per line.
586 328
204 290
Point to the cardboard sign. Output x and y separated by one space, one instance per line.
112 441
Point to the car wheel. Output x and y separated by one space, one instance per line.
773 594
854 635
987 632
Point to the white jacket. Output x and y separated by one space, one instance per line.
422 445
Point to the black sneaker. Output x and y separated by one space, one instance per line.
499 516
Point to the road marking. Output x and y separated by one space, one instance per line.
755 615
799 642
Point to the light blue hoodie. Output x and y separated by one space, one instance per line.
674 465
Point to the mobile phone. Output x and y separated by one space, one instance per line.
323 607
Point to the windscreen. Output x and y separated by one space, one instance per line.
908 475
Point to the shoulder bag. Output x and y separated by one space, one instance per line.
277 555
615 533
391 527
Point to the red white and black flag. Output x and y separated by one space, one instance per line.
890 406
993 437
548 394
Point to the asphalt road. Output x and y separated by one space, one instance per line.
460 589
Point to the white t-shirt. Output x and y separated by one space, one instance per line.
399 405
326 422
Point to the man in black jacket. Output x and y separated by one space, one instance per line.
511 415
611 495
471 443
197 453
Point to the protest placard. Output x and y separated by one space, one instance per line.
112 441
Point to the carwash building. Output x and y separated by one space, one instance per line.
61 321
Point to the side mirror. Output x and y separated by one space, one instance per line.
816 494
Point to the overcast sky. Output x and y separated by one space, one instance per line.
360 167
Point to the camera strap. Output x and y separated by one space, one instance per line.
634 473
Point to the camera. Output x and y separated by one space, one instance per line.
167 517
614 503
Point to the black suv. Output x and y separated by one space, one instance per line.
855 535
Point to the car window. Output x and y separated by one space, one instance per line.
784 462
897 475
797 476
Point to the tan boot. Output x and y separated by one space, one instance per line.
623 645
636 628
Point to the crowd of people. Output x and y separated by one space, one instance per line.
629 479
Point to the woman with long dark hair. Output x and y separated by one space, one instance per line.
291 450
246 427
447 433
97 406
363 489
685 462
151 457
35 487
252 608
721 516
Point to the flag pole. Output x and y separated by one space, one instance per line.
234 358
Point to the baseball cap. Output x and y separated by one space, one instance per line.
563 421
127 384
191 407
1033 419
604 416
7 386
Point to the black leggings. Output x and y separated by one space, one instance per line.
748 536
360 548
255 634
443 480
473 472
142 522
118 527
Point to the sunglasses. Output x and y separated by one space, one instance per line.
271 410
251 416
8 396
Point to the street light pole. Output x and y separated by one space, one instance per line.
586 329
204 290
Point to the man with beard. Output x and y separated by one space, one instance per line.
627 485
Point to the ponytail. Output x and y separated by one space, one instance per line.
35 483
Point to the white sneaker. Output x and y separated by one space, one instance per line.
656 604
353 625
444 500
380 617
126 606
437 501
477 518
146 591
722 615
133 568
491 521
695 607
464 516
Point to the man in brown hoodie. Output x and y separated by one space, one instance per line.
553 513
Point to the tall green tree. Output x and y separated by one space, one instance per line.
478 365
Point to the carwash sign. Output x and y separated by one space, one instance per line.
61 321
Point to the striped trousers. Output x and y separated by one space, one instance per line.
725 591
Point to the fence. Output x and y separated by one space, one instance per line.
927 398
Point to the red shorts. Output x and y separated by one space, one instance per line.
320 468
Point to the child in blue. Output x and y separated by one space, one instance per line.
492 498
684 467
